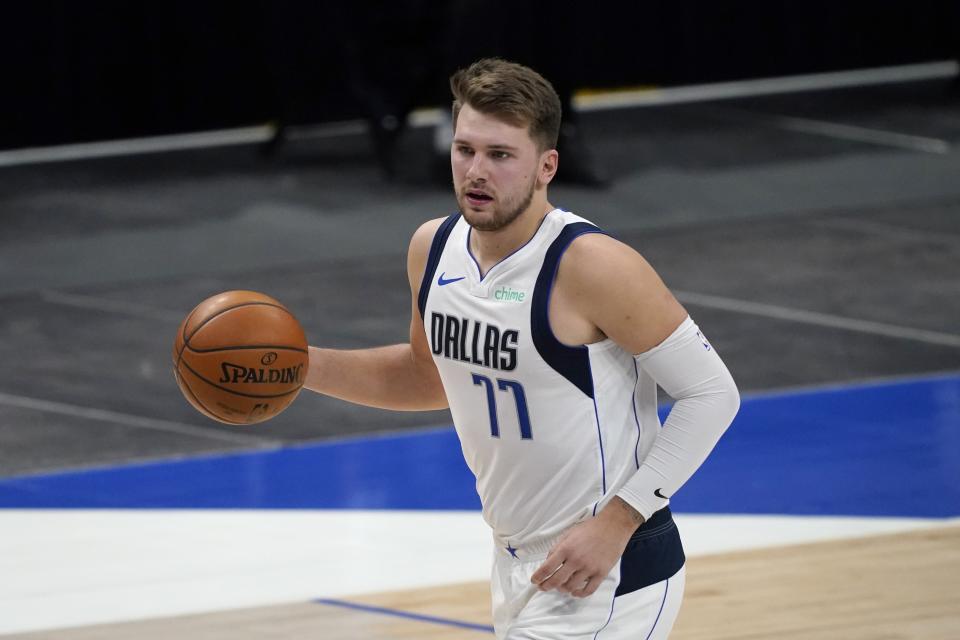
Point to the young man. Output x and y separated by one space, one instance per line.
547 339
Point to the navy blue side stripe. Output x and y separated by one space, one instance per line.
573 363
653 554
436 249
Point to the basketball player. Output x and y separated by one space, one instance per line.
547 339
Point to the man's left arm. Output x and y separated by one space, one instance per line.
641 315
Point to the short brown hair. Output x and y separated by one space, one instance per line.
511 92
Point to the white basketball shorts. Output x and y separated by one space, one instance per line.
522 612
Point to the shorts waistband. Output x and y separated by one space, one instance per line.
659 522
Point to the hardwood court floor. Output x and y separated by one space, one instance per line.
892 587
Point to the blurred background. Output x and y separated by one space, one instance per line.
104 70
790 169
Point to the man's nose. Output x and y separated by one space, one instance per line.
477 169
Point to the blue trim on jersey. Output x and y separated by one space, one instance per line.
480 273
573 363
433 259
603 461
666 590
636 418
613 603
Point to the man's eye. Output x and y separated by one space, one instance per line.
465 150
500 155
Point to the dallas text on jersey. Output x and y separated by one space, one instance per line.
460 339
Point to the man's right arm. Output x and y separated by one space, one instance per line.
401 377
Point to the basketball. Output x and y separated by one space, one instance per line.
240 357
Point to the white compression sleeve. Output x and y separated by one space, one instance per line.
689 369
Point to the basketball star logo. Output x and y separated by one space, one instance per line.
703 339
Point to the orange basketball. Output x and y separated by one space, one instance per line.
240 357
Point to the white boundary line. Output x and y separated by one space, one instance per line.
888 230
769 86
131 146
862 134
848 385
110 306
129 420
429 117
838 130
819 319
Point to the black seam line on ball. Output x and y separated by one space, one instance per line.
186 338
253 346
223 311
200 402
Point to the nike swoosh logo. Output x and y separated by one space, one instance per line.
442 282
660 495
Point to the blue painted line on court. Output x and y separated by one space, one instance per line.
879 449
423 470
419 617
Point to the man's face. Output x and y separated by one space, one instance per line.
495 169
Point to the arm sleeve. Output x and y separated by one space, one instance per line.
687 367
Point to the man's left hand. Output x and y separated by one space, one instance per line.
584 556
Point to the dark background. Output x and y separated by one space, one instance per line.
82 71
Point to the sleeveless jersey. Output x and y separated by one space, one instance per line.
550 431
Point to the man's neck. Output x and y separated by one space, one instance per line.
490 247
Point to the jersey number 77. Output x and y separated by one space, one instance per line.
520 399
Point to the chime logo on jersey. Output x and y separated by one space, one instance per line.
475 342
509 294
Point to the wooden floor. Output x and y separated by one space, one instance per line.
895 587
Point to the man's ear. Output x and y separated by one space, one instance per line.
548 166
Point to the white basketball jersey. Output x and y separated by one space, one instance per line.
551 431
